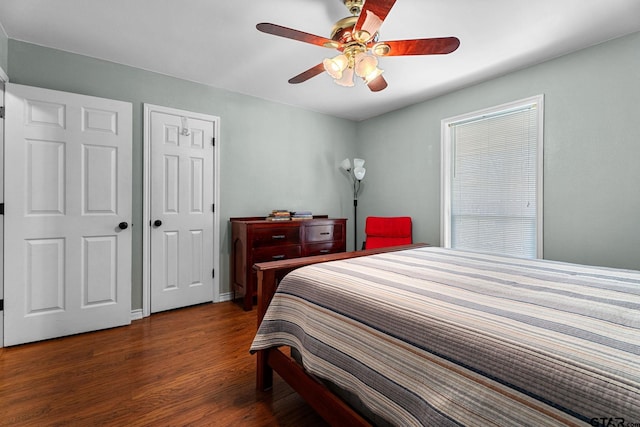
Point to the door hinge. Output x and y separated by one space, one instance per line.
213 207
1 208
213 273
1 112
213 141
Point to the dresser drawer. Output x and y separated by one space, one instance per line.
275 236
322 233
276 253
323 248
254 240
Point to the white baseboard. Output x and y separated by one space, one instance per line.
136 314
226 297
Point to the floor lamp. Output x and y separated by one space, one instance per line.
357 175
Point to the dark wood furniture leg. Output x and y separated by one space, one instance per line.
266 288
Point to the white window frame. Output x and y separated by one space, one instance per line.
446 159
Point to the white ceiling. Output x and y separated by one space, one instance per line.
215 42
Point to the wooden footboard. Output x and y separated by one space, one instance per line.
328 405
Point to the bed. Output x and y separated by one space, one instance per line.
431 336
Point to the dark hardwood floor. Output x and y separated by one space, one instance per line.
184 367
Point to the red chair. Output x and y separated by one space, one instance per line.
382 232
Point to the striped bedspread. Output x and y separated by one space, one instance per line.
433 336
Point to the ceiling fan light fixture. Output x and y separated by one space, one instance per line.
373 75
365 64
346 79
356 38
335 66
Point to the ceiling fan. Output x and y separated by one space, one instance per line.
356 38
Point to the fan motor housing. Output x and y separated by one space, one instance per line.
343 29
354 6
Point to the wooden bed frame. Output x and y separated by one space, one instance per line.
329 406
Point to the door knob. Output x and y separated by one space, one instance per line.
157 223
123 225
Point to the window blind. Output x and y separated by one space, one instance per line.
494 184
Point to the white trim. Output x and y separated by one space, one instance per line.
445 158
445 183
146 200
4 79
227 296
136 314
540 178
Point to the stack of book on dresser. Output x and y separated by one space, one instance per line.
279 215
299 215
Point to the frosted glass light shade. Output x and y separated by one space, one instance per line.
346 79
358 163
335 66
365 64
372 75
346 165
371 23
359 173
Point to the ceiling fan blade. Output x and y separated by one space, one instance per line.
377 84
372 16
434 46
289 33
306 75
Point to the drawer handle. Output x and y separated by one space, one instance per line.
278 257
324 251
278 236
326 233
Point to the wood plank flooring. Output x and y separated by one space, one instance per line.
184 367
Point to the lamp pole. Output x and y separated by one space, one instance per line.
356 189
355 224
356 174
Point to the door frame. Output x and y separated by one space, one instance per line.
4 79
146 196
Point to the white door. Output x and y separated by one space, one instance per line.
67 214
181 208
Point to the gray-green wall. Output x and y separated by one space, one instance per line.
276 156
591 153
4 50
272 156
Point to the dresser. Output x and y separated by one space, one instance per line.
254 239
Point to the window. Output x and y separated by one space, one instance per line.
492 179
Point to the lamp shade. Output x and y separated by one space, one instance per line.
358 163
335 66
365 64
372 75
346 79
359 173
346 165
